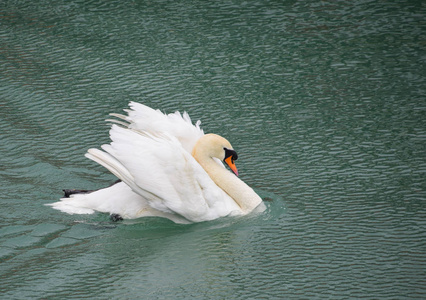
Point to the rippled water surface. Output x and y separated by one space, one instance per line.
323 100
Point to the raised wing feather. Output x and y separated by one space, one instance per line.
145 119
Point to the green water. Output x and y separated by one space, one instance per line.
323 100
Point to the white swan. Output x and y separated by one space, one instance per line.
168 168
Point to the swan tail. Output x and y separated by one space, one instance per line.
118 200
73 204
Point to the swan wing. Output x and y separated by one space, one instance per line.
158 168
145 119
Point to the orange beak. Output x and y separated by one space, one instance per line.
231 164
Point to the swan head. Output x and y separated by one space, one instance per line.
213 145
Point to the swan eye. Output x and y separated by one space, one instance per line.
230 153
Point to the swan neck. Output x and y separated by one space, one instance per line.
239 191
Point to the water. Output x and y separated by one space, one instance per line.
324 102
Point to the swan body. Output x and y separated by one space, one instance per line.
168 168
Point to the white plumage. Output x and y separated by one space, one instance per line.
169 168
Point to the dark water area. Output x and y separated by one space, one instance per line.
324 101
